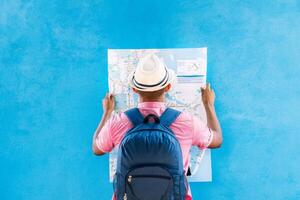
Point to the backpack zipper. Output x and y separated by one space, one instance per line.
129 179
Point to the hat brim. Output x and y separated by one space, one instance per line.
171 80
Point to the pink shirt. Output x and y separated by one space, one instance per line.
189 130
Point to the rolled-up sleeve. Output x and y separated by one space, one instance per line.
202 135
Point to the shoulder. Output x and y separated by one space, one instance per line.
183 128
188 119
117 126
184 118
119 120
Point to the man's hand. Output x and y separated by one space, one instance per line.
108 103
208 95
208 98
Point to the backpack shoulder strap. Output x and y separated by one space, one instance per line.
135 116
169 116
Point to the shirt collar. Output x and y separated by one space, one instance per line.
152 104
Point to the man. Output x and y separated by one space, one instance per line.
151 80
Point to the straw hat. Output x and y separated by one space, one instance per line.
151 74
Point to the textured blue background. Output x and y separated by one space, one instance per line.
53 59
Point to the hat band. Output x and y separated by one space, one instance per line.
145 86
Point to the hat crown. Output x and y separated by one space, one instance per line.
151 74
150 70
149 65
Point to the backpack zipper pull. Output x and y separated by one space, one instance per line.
129 179
125 196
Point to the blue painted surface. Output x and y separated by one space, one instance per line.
53 75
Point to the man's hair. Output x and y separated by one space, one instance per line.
151 95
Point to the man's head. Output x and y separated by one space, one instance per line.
153 95
151 78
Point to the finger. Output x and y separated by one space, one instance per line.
208 86
111 96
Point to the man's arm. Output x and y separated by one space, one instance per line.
208 98
108 104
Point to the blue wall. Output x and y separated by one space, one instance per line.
53 75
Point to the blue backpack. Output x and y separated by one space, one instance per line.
149 165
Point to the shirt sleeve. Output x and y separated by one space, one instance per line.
112 132
104 140
202 135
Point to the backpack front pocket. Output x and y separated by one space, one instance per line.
148 183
